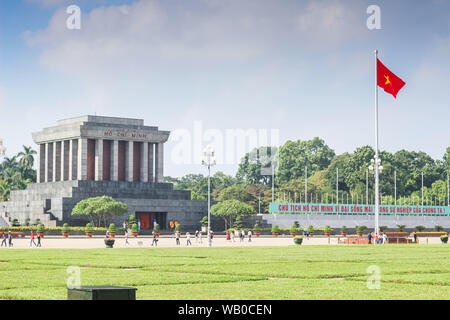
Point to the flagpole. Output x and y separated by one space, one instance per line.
377 204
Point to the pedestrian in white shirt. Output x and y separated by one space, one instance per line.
188 239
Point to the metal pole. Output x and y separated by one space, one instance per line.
422 188
306 184
377 200
395 186
209 205
273 183
337 185
367 186
448 190
259 203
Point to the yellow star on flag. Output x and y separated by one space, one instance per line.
387 80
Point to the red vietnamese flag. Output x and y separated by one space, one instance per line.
387 80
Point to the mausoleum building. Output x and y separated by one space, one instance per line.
93 156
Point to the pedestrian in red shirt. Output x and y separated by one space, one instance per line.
32 239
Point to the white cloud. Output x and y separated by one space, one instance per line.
331 23
51 2
146 34
229 63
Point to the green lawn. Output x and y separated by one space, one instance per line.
294 272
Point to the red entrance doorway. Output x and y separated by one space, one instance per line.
148 219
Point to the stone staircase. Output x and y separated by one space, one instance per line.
250 222
3 222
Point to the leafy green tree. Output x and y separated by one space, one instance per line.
99 209
229 210
16 172
236 192
204 221
238 223
256 166
296 155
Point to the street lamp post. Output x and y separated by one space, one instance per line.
259 203
422 188
209 160
376 168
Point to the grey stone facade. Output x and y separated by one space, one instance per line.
53 202
72 165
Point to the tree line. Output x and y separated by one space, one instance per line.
16 172
324 170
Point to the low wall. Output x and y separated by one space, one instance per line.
351 221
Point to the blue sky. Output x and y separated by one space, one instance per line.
304 68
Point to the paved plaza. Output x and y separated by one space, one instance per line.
81 242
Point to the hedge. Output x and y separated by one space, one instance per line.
82 229
287 230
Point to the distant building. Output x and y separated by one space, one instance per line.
92 156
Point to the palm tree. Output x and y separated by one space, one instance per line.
9 163
27 157
5 189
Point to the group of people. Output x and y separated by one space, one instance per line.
198 237
239 233
376 238
7 237
33 236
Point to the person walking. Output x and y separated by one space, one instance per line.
155 239
196 236
10 243
249 234
369 237
384 238
241 236
126 237
415 237
4 239
177 237
200 237
228 236
39 240
188 239
232 236
376 239
32 239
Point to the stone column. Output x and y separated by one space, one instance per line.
114 161
129 161
159 165
144 162
151 158
56 161
99 160
82 159
49 162
40 163
63 161
73 159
